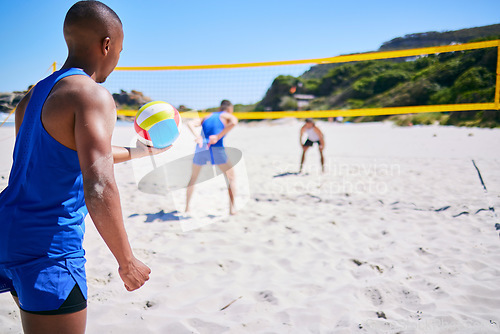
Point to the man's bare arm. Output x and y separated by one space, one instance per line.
321 137
302 130
20 109
229 121
192 124
121 154
94 123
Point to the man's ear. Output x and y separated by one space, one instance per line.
105 45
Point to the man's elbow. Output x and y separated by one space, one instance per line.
98 188
194 123
94 191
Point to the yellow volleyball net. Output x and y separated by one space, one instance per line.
200 88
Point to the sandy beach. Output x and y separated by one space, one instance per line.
396 236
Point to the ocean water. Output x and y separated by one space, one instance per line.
10 120
5 116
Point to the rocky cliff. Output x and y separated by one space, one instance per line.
8 101
132 100
124 100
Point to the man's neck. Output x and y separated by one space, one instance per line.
85 65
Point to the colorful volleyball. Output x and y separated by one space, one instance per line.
157 124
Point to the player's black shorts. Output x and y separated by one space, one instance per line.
310 143
74 303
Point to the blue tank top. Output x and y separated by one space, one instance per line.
212 125
43 208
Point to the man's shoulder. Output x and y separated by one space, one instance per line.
82 85
82 90
227 116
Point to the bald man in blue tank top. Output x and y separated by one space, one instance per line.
63 169
210 148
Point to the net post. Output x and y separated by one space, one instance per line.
497 84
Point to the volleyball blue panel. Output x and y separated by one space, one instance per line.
164 133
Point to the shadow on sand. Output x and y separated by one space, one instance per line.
162 216
288 174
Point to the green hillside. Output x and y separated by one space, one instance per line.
420 40
434 38
447 78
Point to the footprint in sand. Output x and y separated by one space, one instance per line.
375 296
267 296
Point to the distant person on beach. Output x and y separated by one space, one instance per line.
63 169
314 135
210 148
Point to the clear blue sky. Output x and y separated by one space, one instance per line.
184 32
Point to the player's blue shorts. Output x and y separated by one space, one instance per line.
44 285
216 155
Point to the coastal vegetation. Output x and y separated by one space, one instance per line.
446 78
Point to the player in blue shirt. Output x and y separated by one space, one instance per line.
62 169
210 148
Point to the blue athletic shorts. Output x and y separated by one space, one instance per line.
216 155
44 284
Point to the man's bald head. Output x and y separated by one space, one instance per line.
90 19
94 35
